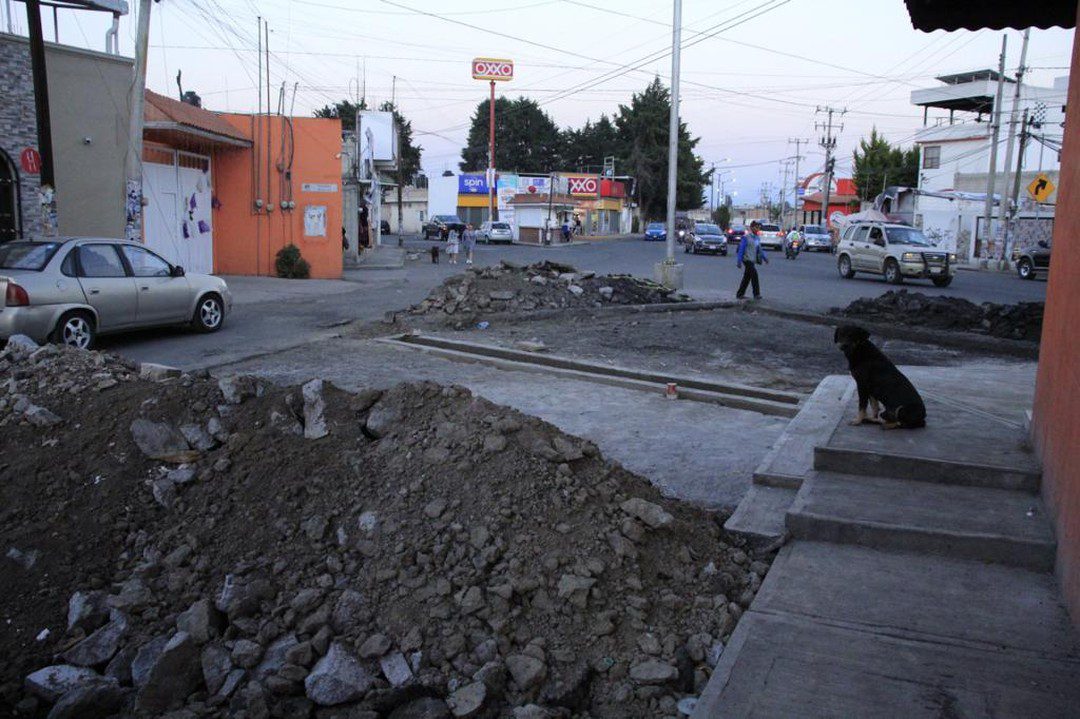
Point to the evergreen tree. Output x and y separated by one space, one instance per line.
585 149
408 156
345 111
877 164
527 140
642 129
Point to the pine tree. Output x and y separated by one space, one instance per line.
527 140
408 156
876 164
345 111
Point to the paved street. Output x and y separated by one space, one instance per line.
273 314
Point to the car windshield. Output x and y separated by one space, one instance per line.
500 226
655 226
770 228
707 230
447 218
738 228
814 230
27 255
906 236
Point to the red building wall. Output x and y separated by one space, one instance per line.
1056 417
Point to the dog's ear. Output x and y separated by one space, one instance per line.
861 334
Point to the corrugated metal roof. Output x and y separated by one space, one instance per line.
165 109
928 15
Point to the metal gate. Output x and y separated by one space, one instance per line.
178 216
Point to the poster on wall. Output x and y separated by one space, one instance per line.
315 221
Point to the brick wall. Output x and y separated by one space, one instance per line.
18 126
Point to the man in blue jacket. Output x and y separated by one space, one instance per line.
749 255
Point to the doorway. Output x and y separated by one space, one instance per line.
10 217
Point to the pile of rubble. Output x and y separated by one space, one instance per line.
176 543
510 287
1021 321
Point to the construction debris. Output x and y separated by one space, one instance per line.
1021 321
412 552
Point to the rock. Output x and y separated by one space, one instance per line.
276 656
435 508
576 290
286 423
26 560
157 372
236 389
533 711
494 443
181 475
651 514
382 418
87 610
502 295
531 345
164 492
575 589
145 658
375 646
337 678
53 682
100 646
396 669
41 417
606 292
246 653
161 441
468 700
314 410
198 437
347 610
240 597
96 701
471 600
527 671
232 681
175 674
119 668
216 666
422 708
572 691
133 594
201 621
21 343
493 675
653 672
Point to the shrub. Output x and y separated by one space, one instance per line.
290 264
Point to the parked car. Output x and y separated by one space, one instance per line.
441 226
1033 260
656 231
495 232
707 237
815 238
772 236
895 251
72 290
735 233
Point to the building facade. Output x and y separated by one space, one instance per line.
414 209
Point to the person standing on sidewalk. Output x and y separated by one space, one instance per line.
468 240
749 255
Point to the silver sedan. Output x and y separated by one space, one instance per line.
70 290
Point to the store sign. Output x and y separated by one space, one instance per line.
489 68
581 186
472 185
612 188
30 160
534 185
318 187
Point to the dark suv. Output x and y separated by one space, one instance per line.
1033 260
441 226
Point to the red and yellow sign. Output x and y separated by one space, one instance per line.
491 68
583 185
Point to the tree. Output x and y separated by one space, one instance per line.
527 140
585 149
642 129
345 111
876 164
408 156
722 216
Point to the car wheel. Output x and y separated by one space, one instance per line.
209 314
844 267
942 281
892 272
75 329
1025 270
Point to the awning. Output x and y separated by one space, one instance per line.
929 15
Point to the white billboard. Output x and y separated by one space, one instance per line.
383 138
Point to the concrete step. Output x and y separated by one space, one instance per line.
879 463
919 596
792 457
780 665
991 525
761 513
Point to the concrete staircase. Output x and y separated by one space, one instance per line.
917 579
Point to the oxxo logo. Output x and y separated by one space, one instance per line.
583 185
486 68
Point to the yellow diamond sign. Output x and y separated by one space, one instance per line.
1041 188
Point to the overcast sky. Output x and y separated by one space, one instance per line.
753 71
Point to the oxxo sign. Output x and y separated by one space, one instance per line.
489 68
583 185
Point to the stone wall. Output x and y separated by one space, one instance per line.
18 124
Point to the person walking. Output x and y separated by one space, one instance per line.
468 241
452 247
748 256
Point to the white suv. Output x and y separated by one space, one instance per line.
894 251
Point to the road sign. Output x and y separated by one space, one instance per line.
490 68
1041 188
30 159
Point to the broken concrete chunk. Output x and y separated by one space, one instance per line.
100 700
201 620
395 669
216 665
337 678
175 673
314 410
468 700
161 441
41 417
100 646
653 672
649 513
527 671
157 372
53 682
87 610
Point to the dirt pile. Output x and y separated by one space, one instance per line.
510 287
1021 321
237 549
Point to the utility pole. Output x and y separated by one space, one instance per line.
828 143
47 193
491 154
1025 133
673 138
991 177
712 189
783 192
1003 210
799 142
133 225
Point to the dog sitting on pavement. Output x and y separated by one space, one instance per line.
892 399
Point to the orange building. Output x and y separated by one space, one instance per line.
226 192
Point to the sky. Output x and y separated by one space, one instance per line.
754 72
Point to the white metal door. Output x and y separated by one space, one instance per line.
178 214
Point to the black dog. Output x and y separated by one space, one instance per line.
878 380
435 254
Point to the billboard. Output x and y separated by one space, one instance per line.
472 185
383 137
491 68
534 185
